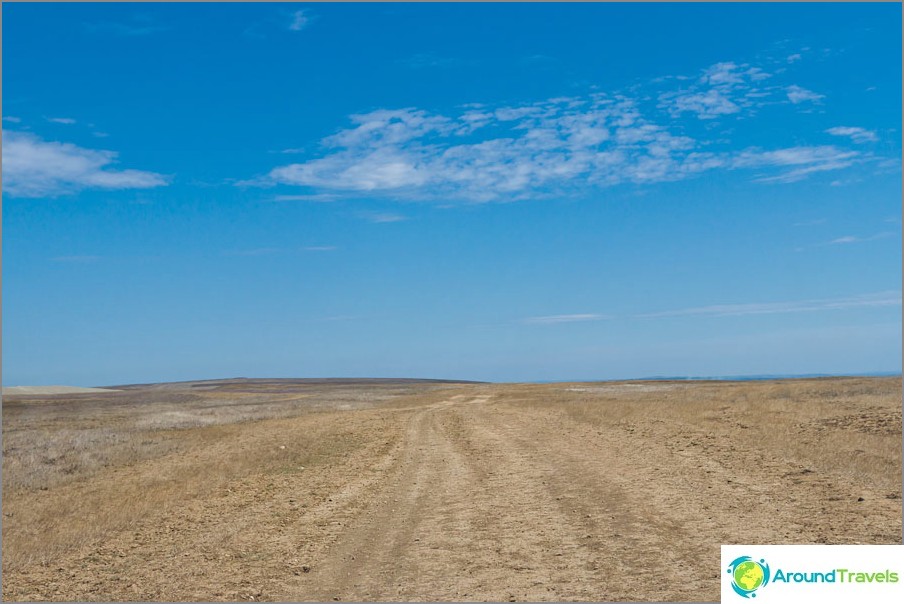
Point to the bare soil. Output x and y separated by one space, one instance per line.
436 491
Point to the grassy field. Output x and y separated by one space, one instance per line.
312 490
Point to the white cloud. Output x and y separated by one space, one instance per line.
848 239
321 248
804 160
792 156
882 299
33 167
313 197
721 89
11 119
547 144
390 127
555 319
528 151
797 95
843 240
841 182
858 135
706 105
61 120
299 21
793 58
557 146
729 88
878 299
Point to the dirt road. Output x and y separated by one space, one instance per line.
474 493
474 510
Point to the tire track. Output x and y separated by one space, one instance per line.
466 517
382 555
628 545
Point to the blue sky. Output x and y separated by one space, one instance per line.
477 191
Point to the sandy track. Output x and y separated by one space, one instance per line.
490 502
466 496
457 518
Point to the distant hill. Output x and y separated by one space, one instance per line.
284 382
45 390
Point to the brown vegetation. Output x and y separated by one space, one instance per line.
379 490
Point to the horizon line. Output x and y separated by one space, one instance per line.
652 378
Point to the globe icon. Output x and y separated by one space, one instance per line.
748 575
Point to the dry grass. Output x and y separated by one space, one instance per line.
76 468
53 440
80 513
172 491
850 427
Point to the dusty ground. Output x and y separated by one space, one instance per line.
429 491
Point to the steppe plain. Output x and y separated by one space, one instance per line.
419 490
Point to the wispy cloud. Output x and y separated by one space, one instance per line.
858 135
11 119
845 239
314 197
299 21
721 89
61 120
560 146
841 182
803 161
848 239
410 152
878 299
555 319
33 167
321 248
797 95
888 298
706 105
